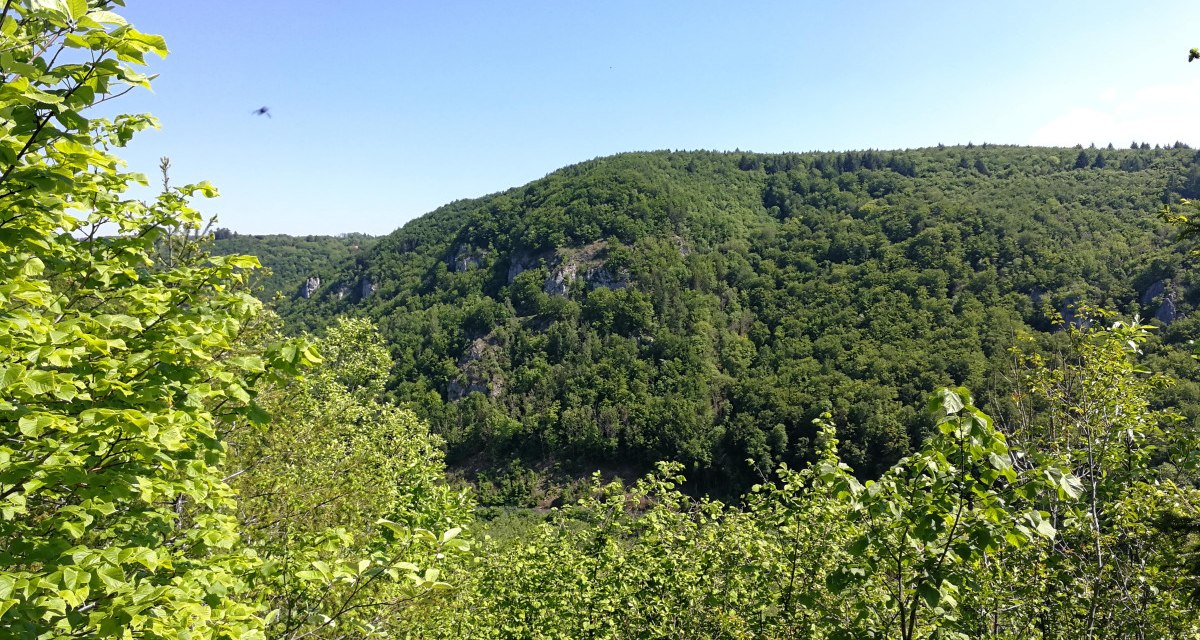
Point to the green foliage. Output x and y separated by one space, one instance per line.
706 307
1110 571
689 306
343 497
130 361
114 516
987 531
929 520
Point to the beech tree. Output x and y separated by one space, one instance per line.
129 357
114 516
343 497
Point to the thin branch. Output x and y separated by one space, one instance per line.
4 13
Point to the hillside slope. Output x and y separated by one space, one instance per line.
291 261
705 307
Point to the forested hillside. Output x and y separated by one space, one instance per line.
705 307
290 261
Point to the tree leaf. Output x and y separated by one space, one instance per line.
930 594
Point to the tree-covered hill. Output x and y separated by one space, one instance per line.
291 260
705 307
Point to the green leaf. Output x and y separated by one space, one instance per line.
31 426
947 401
248 363
256 414
1071 485
153 43
76 9
55 6
859 546
237 392
110 321
74 529
1041 524
323 567
111 576
33 267
309 575
107 17
930 594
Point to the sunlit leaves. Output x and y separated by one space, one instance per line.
114 517
361 522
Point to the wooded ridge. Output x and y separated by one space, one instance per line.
704 307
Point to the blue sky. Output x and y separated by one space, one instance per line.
382 111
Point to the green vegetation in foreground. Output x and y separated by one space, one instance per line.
706 307
145 490
171 466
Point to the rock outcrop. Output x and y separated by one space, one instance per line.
477 366
559 282
1167 312
588 260
1154 291
466 257
520 263
605 277
310 287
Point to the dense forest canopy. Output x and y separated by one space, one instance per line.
704 307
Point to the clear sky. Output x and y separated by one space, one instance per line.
382 111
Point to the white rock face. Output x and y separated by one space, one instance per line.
466 257
604 277
559 282
521 262
310 287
